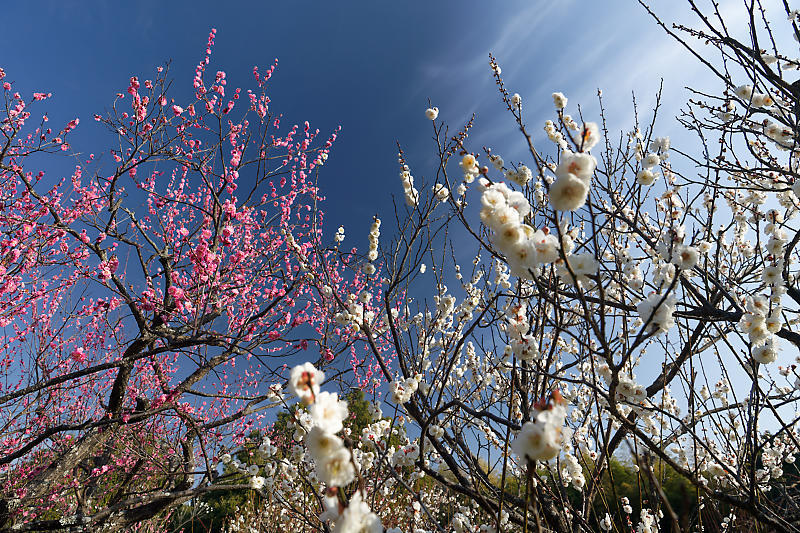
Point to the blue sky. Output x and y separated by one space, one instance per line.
367 66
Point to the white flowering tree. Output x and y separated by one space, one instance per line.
616 353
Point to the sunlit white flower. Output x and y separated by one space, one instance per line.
755 327
441 192
431 113
772 275
762 100
336 470
503 216
579 164
468 161
517 200
493 198
525 348
590 136
651 160
581 265
546 246
774 322
758 305
304 381
400 391
646 177
744 91
497 161
568 193
358 518
322 444
508 235
766 353
685 257
656 312
543 438
559 100
659 144
328 412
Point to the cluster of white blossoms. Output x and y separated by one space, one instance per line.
432 113
574 175
339 235
354 314
401 391
521 176
441 192
554 135
647 176
780 134
543 438
334 463
752 97
258 482
523 346
559 100
648 523
411 194
754 101
572 472
656 311
525 248
469 165
762 318
374 238
577 268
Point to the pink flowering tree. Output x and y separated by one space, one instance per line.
151 299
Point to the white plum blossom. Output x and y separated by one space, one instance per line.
441 192
580 165
568 193
745 92
656 312
543 438
358 518
337 469
401 391
646 177
766 353
685 257
559 100
328 412
305 381
589 136
411 193
582 265
651 160
469 165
